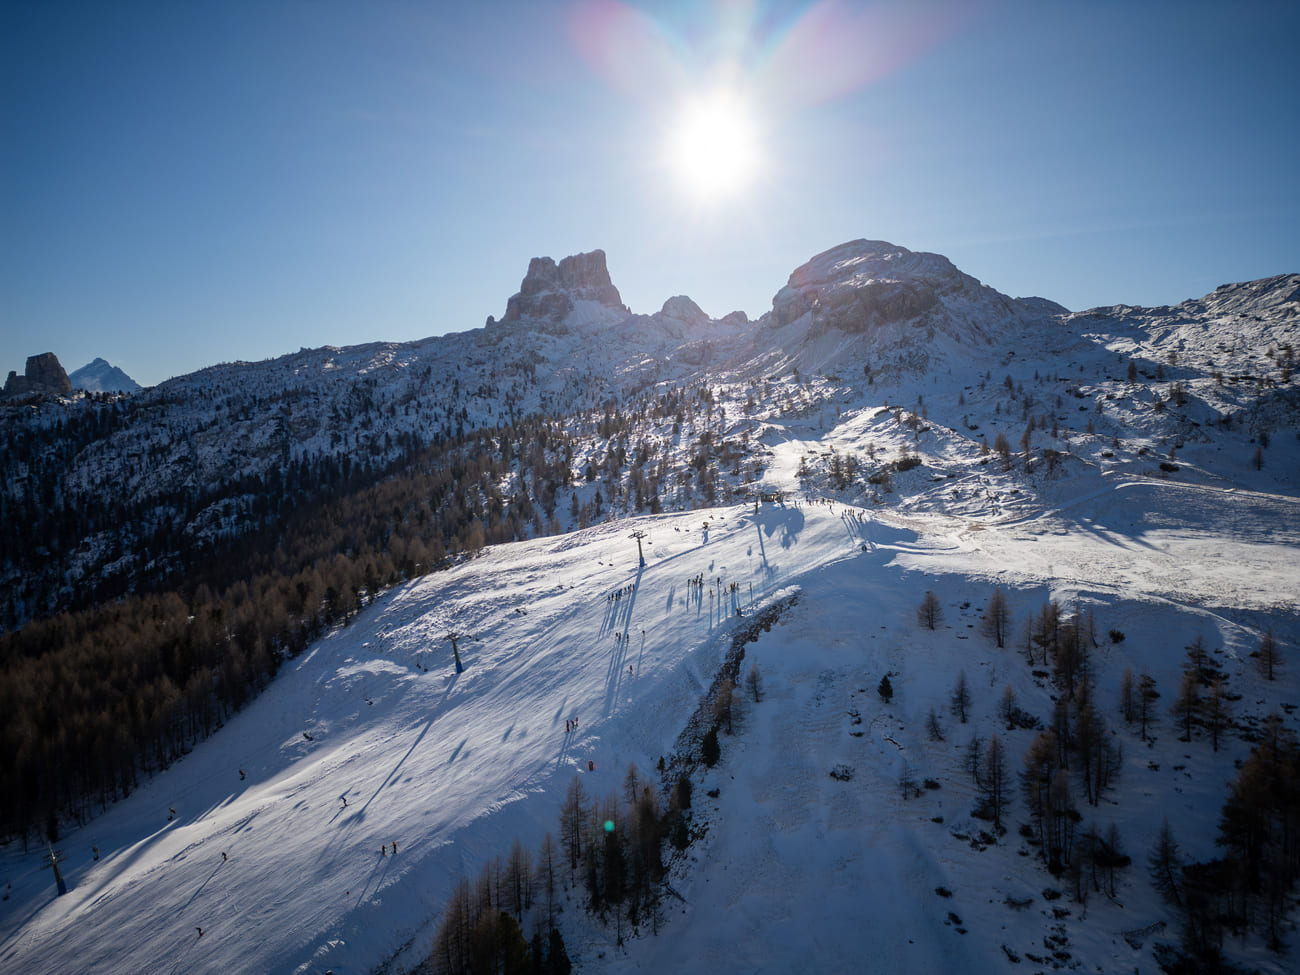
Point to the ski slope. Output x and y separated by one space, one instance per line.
452 767
448 766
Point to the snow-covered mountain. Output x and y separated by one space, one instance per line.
196 453
100 376
890 427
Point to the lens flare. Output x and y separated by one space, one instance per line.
713 148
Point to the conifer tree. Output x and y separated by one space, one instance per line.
995 782
1165 865
1216 712
1268 656
573 817
1147 696
1187 706
997 618
1128 700
722 703
709 750
930 613
1008 708
960 698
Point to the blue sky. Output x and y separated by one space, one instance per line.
187 183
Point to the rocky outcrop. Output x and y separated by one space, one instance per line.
864 285
549 290
43 375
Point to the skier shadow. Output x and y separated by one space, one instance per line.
856 526
202 885
1112 537
565 748
375 880
566 744
397 768
618 659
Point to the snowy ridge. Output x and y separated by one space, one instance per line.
865 310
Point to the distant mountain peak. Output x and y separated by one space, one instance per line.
101 376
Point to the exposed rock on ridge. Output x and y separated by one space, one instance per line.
549 290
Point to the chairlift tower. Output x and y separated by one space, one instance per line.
638 535
453 637
53 858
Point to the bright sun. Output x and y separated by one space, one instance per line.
713 148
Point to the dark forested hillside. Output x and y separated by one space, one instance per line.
95 696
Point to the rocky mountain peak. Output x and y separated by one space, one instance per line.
549 290
43 374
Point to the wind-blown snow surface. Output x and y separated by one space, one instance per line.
798 870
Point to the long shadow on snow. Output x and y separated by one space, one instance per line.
202 885
396 768
789 520
614 676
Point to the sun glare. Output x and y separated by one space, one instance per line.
713 149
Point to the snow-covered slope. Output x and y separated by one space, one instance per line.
796 867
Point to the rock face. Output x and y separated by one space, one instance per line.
549 290
42 375
864 284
